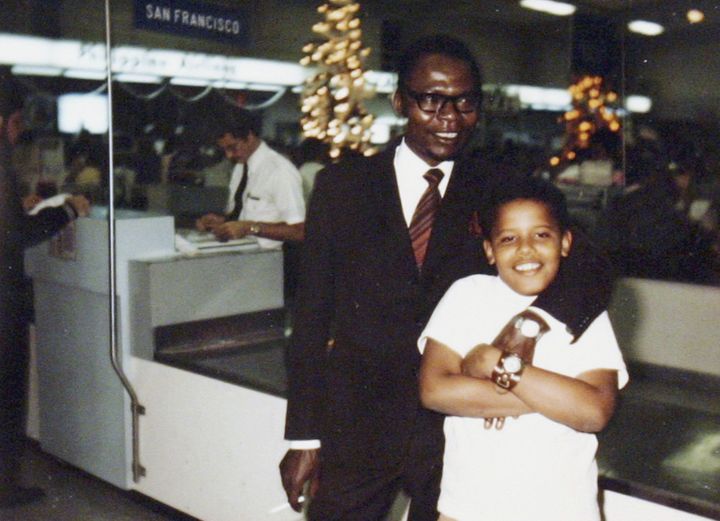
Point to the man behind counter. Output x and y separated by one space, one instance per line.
265 192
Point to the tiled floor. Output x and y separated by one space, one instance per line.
73 495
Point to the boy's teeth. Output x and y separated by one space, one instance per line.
528 266
448 135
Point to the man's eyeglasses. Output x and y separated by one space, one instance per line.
432 102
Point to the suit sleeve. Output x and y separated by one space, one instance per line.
27 230
313 317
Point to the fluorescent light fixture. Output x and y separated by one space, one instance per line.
382 82
540 98
549 7
264 87
232 85
645 28
82 111
82 74
190 82
25 50
638 104
137 78
35 70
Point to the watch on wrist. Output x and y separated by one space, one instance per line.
254 228
508 370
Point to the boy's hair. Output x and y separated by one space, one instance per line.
516 188
437 44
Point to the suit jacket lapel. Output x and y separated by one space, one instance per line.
446 219
389 208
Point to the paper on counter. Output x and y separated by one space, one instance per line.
50 202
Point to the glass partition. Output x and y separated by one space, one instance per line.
664 224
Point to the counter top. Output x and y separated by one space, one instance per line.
662 445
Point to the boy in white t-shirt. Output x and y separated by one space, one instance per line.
540 465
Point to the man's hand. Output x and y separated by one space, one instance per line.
480 361
29 201
80 204
512 339
297 468
232 230
209 221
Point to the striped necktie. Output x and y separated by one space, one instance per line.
422 220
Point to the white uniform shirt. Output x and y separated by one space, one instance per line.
273 192
534 468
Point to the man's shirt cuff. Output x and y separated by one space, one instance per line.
304 444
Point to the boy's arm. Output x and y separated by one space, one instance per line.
585 403
582 288
445 389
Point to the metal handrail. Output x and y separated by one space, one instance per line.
115 357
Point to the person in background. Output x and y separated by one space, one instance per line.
265 197
84 163
649 230
551 401
312 156
18 231
386 236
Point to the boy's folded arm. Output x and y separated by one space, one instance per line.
445 389
585 403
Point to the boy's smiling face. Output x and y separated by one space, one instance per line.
526 245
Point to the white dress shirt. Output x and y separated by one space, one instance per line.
409 171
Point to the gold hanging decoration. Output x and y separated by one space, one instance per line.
594 107
332 101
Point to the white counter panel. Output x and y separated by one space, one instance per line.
619 507
210 449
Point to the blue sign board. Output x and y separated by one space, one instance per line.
193 19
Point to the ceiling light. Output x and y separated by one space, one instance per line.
549 7
190 82
137 78
35 70
638 104
82 74
646 28
695 16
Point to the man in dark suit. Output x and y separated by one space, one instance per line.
17 232
365 294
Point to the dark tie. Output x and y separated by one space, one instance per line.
422 221
238 197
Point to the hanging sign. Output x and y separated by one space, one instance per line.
193 19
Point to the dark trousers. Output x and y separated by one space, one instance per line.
357 494
13 383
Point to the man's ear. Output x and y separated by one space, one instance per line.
398 104
566 243
489 252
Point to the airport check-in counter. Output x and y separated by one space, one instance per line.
206 447
210 445
189 306
82 408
